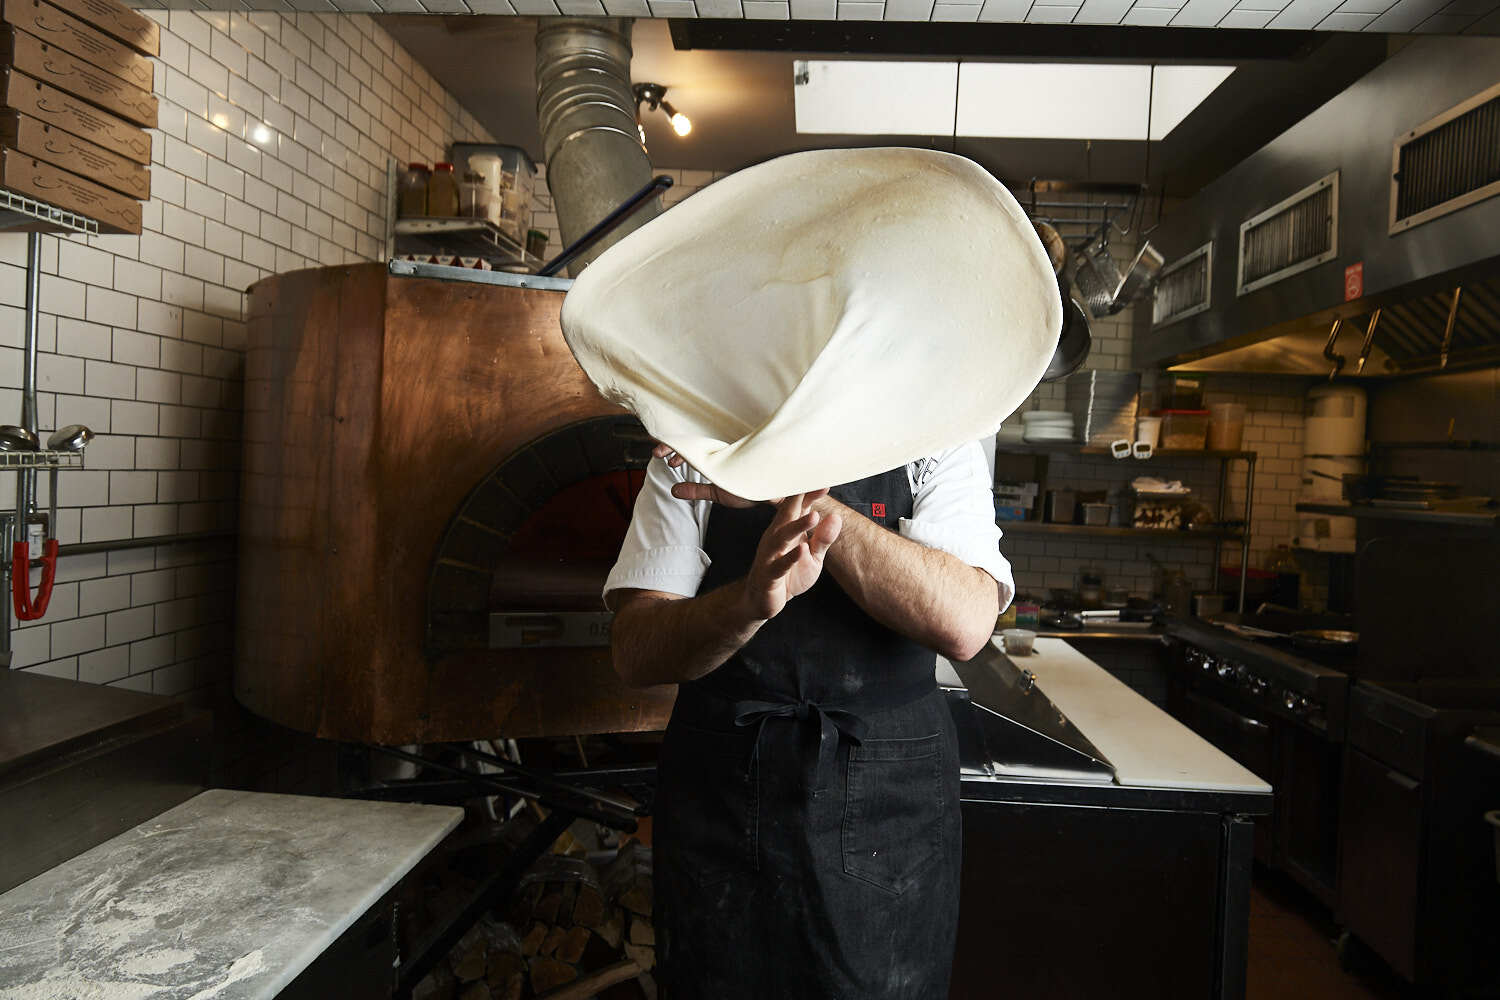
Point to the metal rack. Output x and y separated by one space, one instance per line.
444 236
41 460
20 213
1220 537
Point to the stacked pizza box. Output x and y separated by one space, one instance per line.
76 93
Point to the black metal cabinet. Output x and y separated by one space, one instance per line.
1382 859
1083 899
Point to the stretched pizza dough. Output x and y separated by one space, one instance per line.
822 317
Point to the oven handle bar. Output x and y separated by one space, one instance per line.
1243 722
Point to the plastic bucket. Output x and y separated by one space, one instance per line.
1226 428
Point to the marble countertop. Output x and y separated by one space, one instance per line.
1148 748
228 896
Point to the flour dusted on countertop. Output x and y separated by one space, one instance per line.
768 327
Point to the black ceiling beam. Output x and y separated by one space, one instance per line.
1056 42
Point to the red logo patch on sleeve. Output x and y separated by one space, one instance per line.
877 510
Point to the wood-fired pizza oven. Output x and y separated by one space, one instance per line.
418 455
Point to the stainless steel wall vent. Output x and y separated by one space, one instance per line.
1291 236
1446 163
1184 287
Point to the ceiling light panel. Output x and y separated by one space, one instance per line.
1180 89
874 98
1053 101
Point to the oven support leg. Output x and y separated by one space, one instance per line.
1235 860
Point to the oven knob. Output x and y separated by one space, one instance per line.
1225 670
1242 675
1289 700
1259 685
1296 704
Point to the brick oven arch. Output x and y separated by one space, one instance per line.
497 512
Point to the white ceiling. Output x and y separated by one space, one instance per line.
1387 16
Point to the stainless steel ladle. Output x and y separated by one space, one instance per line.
71 438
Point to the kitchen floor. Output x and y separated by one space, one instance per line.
1292 952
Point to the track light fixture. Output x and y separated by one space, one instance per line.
654 96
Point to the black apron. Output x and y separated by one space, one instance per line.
807 829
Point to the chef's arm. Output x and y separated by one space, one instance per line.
660 638
926 594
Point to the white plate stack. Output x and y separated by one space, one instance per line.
1042 426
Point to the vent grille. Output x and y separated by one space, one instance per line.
1447 163
1290 237
1184 287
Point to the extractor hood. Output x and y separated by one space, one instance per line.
1365 240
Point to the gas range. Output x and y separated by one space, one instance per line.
1292 686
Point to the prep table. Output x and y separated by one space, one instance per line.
1137 886
231 895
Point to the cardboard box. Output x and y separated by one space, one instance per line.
71 35
27 175
51 65
117 21
52 107
61 149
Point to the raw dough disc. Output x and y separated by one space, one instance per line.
822 317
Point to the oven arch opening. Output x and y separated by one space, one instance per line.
538 532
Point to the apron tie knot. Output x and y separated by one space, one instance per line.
827 724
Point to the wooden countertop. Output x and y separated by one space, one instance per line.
229 895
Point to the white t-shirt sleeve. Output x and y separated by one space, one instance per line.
663 548
954 510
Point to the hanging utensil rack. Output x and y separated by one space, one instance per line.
19 213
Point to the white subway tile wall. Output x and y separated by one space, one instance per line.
271 155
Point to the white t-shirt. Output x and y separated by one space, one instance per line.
953 510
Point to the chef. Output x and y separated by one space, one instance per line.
807 828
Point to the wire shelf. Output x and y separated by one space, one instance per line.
18 212
460 237
41 460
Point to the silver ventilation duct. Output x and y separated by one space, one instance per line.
586 114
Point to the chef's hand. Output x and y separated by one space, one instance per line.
703 491
789 558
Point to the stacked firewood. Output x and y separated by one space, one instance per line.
570 932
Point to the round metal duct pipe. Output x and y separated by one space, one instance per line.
586 113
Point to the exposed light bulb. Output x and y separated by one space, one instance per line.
680 124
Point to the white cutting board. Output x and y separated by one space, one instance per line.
1148 747
227 896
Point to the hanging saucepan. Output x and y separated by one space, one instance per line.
1057 250
1074 342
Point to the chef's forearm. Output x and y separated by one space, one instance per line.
658 639
925 594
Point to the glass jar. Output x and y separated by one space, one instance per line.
473 196
411 197
442 192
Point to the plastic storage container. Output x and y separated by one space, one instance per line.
473 197
1183 430
1226 426
510 177
1180 392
